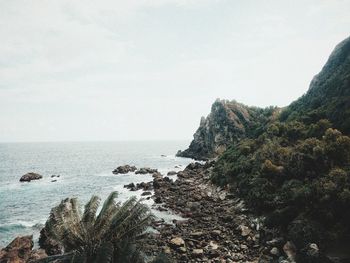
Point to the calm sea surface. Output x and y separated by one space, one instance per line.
85 168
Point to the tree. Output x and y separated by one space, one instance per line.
108 236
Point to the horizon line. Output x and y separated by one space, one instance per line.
80 141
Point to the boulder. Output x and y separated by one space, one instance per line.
171 173
20 251
124 169
30 176
146 170
197 252
130 186
245 231
177 242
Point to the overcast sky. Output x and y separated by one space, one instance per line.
149 69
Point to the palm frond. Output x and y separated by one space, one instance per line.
89 216
106 237
104 253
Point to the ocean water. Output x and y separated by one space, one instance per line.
85 168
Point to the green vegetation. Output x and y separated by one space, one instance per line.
329 93
296 169
297 174
108 236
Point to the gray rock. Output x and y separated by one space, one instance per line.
274 251
30 176
146 170
177 242
124 169
313 250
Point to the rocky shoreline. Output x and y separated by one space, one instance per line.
216 226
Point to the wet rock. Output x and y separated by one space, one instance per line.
158 200
146 170
171 173
130 186
145 186
124 169
146 193
30 176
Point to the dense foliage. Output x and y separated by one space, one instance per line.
296 169
329 94
297 174
108 236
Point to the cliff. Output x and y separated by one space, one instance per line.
227 123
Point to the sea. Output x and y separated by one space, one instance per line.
84 169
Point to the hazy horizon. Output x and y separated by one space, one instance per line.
143 70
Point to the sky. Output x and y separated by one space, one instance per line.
149 69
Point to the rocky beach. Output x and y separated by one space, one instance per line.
216 225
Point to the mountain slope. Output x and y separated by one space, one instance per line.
328 96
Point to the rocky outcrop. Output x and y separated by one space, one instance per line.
146 170
227 123
30 176
20 250
124 169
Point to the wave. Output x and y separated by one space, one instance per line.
20 225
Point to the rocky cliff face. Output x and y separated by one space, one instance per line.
227 123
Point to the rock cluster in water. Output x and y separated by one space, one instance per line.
30 176
124 169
